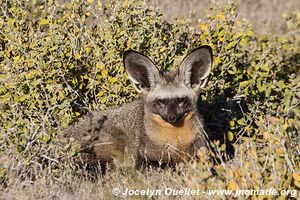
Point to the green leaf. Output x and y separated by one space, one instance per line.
230 136
44 22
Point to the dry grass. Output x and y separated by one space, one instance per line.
244 171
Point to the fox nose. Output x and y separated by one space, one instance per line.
172 119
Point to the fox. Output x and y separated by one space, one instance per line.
162 125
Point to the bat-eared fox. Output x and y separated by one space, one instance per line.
162 125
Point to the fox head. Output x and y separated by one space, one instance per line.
170 96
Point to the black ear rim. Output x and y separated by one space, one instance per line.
207 47
130 51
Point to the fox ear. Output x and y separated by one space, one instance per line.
195 67
141 70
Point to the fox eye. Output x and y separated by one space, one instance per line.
181 100
162 101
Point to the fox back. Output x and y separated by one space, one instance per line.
162 125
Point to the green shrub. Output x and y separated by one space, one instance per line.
58 62
64 61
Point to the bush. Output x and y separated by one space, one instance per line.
64 60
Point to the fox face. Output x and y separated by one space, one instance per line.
169 96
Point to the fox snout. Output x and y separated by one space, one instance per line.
173 119
172 110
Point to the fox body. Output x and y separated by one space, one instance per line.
162 125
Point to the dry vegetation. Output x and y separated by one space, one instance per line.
58 62
265 16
